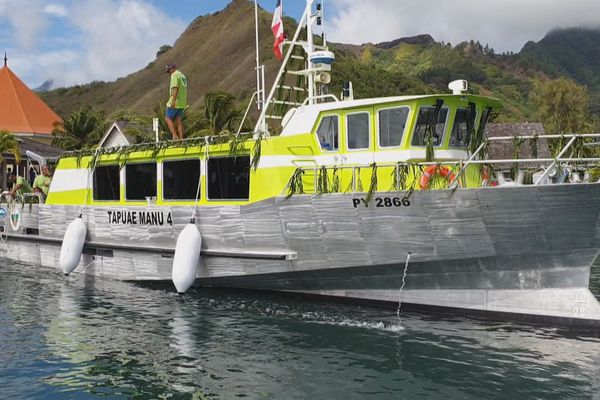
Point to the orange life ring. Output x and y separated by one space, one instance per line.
432 170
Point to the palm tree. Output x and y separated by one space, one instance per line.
220 112
220 115
8 145
82 128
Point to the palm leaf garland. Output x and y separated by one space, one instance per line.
236 145
295 185
533 145
594 173
323 180
400 176
528 178
373 185
355 183
257 150
517 143
335 186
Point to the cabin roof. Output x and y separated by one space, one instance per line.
302 119
21 110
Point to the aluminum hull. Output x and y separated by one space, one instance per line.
522 250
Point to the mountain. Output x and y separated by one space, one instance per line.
46 86
216 52
571 52
574 53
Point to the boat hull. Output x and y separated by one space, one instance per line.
521 250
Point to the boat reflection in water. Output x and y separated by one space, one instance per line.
83 338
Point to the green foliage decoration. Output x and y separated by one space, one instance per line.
323 180
295 184
373 185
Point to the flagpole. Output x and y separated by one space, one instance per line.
259 88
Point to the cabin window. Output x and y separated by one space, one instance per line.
328 133
181 179
140 181
425 116
462 128
106 183
357 127
392 122
229 178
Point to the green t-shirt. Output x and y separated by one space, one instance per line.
178 80
43 183
25 186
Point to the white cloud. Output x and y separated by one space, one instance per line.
503 24
56 10
119 37
27 20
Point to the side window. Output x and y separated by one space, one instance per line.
140 181
358 131
328 133
425 115
461 134
392 122
106 183
229 178
181 179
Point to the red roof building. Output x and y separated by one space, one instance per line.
22 112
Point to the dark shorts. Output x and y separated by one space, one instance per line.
173 113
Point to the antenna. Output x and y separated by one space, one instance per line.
5 59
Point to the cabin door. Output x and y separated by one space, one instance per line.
358 137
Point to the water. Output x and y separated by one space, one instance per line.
76 338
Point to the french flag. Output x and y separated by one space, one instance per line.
277 28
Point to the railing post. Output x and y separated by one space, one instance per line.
556 160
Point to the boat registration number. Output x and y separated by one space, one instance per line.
380 202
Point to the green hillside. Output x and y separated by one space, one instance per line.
216 52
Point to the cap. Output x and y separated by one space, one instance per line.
169 66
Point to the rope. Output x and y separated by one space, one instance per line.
206 143
403 284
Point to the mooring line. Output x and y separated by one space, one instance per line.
403 284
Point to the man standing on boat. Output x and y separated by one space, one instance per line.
177 101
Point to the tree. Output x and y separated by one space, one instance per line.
562 106
10 145
220 115
82 128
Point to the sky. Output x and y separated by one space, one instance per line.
79 41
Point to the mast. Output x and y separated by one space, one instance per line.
260 93
309 50
314 70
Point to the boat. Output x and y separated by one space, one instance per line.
388 200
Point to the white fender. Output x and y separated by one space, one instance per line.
72 245
187 255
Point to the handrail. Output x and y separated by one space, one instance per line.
246 113
563 151
322 96
462 164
